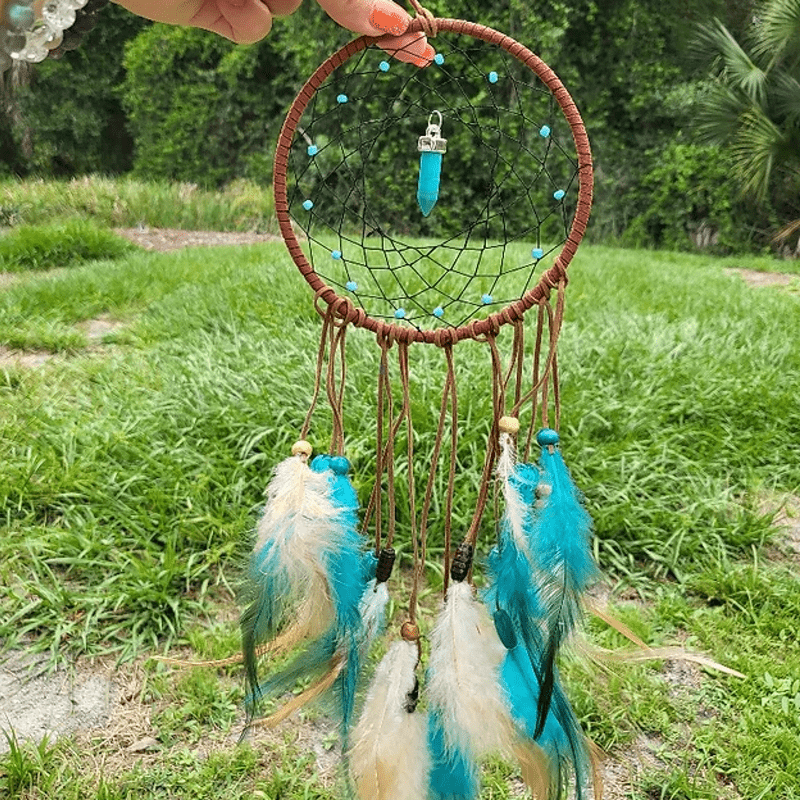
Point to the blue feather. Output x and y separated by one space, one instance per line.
521 599
561 737
453 775
346 579
562 558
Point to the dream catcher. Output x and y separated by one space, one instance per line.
429 207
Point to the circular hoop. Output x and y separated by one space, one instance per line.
343 307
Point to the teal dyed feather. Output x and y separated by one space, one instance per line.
284 571
561 737
562 559
453 775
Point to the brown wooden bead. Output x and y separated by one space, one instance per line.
410 632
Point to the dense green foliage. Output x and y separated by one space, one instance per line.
202 109
187 105
66 117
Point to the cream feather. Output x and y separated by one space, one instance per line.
296 526
389 760
515 507
373 609
463 682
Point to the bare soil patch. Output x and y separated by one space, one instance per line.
760 279
786 521
167 239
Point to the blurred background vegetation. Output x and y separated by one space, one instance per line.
693 108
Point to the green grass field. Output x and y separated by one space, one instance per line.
134 468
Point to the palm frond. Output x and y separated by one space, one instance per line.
755 150
718 117
777 36
786 232
730 62
787 98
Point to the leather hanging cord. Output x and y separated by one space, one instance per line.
336 393
498 403
327 323
448 398
537 354
451 476
380 456
426 18
419 564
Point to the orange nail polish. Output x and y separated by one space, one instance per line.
387 17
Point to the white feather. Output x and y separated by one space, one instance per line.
298 521
463 682
373 610
515 508
390 760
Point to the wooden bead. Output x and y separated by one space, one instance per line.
410 632
508 425
301 448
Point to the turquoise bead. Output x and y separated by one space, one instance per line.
400 313
342 98
544 131
312 150
320 463
486 299
438 312
336 254
493 77
546 437
308 205
439 59
21 17
559 194
340 465
351 286
384 66
537 253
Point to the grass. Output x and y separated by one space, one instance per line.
126 203
44 247
132 477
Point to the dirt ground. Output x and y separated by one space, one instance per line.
166 239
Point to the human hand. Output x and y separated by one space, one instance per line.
248 21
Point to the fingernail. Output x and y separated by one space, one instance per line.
389 18
426 59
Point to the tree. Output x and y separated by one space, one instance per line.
752 103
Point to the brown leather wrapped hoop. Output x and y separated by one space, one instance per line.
343 307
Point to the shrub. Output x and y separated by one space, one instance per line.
688 201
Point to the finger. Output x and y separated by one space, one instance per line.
241 21
412 48
283 8
372 17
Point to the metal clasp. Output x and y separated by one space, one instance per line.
432 141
